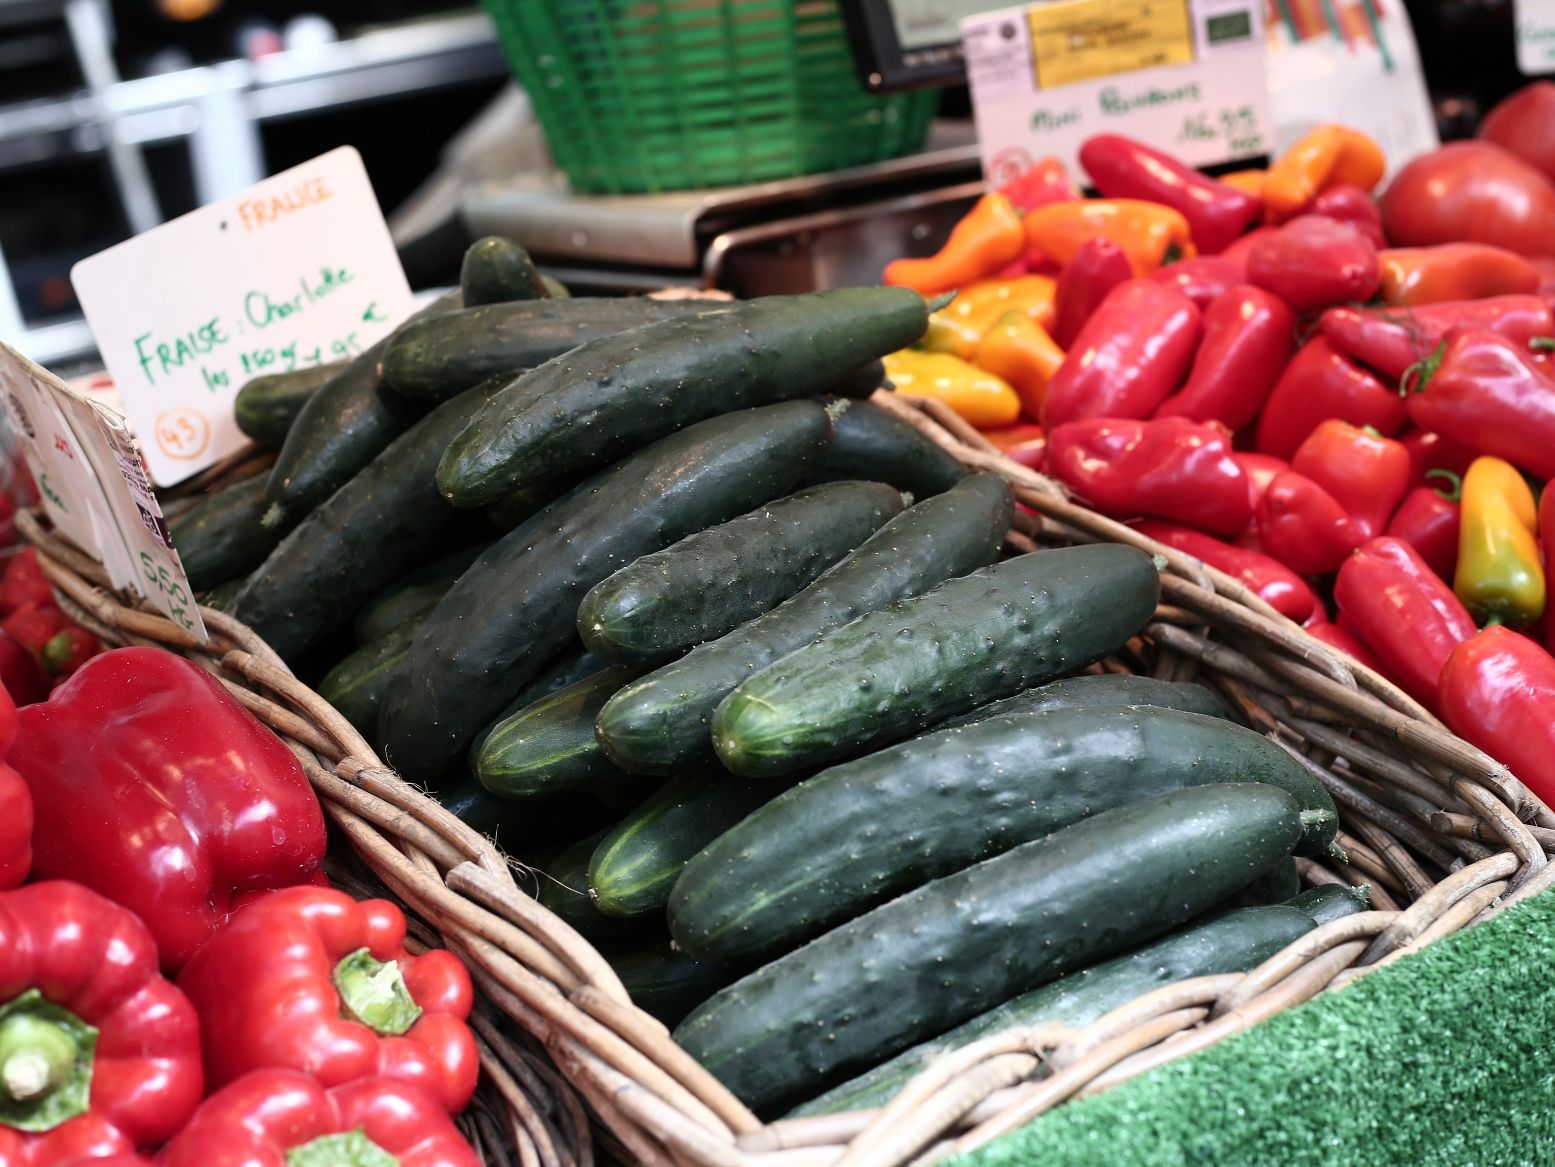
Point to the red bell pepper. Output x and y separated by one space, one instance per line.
1497 689
1346 642
1273 582
15 806
23 582
1304 527
1203 279
1099 266
34 625
1313 262
1414 276
1429 453
1366 473
21 673
1249 335
1390 340
1171 468
1024 443
1428 521
1405 613
68 650
1128 357
206 801
1261 469
283 1118
309 979
1044 181
1122 168
1350 204
96 1049
1243 247
88 1139
1320 383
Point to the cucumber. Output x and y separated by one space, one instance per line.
665 983
610 395
340 429
1331 902
433 358
266 406
918 661
660 724
220 537
221 596
555 289
496 271
1233 942
957 947
564 669
636 864
527 501
563 888
355 686
1102 689
857 834
479 646
715 580
871 444
1275 886
550 745
413 596
381 524
856 384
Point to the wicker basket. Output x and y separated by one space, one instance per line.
1444 835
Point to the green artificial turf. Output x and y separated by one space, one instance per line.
1446 1057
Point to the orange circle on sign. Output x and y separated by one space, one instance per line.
183 433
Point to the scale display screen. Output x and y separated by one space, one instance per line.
910 44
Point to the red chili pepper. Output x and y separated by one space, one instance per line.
1313 262
1099 266
1392 339
1487 393
1242 248
307 978
1024 443
1430 452
283 1118
1305 527
15 809
1414 276
1249 335
34 625
23 582
1428 521
206 801
1273 582
1498 691
90 1034
1366 473
1122 168
1128 357
1203 279
22 674
1350 204
1044 181
68 650
1320 383
1405 613
1171 468
1346 642
1261 469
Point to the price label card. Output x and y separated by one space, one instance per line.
1186 76
297 270
1535 36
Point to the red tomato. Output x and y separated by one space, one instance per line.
1471 191
1524 123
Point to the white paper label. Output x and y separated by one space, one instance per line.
1535 36
297 270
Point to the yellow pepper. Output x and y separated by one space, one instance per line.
1148 233
1327 155
1249 182
984 400
1499 578
958 328
1020 350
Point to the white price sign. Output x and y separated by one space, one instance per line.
1535 36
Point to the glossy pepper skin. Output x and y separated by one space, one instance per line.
960 326
983 399
1412 276
1268 578
306 978
1347 643
1326 156
1366 473
1352 205
1429 453
1122 168
1304 527
206 802
15 806
1428 521
1499 577
1249 335
1203 279
1313 263
1128 358
1095 269
987 237
1404 612
1498 691
1019 350
1261 469
1044 181
284 1118
1171 468
1390 340
1320 383
21 672
97 1050
1148 233
23 582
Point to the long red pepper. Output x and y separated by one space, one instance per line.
1099 266
1268 578
1261 470
1304 527
1044 181
1498 691
1390 340
1346 642
1313 262
1249 335
1366 473
1429 453
1203 279
1428 521
1350 204
1320 383
1123 168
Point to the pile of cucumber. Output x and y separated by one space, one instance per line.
728 658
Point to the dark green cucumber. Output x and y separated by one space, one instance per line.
1102 689
872 444
715 580
497 271
563 888
528 501
550 745
221 596
355 686
665 983
380 525
660 724
933 958
858 383
1233 942
637 863
918 661
1275 886
518 604
340 429
433 358
566 668
266 406
609 396
1331 902
413 596
220 537
854 835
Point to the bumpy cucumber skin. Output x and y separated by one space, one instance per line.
666 983
266 407
413 596
872 444
518 604
661 724
1275 886
1331 902
565 668
528 501
957 947
1101 689
563 888
496 271
918 661
854 835
607 397
220 537
711 582
355 686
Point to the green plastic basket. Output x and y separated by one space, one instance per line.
650 95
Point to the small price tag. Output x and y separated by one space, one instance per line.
1535 36
93 486
1187 76
298 270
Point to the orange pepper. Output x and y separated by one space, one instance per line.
957 329
1327 155
1247 181
1145 231
1019 349
987 237
1452 271
983 399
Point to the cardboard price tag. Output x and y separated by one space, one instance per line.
298 270
1535 22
